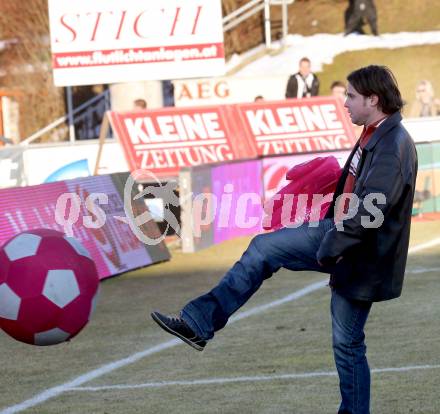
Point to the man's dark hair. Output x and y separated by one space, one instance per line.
379 81
305 59
337 83
140 103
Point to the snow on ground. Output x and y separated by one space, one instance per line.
322 48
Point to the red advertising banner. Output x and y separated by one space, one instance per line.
165 140
298 125
112 244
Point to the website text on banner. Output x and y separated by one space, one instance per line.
107 41
163 141
87 209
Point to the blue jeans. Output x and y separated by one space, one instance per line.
293 249
349 350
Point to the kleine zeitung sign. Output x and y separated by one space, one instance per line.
298 125
165 140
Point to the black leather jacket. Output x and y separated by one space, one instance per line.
374 259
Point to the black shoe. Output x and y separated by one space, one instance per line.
178 327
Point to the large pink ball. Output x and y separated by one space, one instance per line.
48 287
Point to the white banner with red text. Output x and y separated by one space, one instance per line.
229 90
108 41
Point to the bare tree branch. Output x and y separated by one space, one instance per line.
27 63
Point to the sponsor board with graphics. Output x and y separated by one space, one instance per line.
275 168
90 209
166 140
228 90
297 126
163 141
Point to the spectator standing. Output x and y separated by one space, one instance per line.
304 83
338 90
425 103
168 93
139 104
357 12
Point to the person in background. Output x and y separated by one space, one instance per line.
338 90
425 104
139 104
304 83
168 93
258 98
355 15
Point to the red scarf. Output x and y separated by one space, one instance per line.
350 181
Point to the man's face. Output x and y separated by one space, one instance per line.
359 106
423 93
339 92
304 68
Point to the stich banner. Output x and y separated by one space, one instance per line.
166 140
108 41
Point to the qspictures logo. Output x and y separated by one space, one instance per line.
295 209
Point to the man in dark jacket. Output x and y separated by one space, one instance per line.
362 242
357 12
304 83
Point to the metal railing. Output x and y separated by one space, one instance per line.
239 15
87 119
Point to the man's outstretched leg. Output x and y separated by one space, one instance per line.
292 248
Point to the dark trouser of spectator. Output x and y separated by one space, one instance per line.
168 93
347 15
357 12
